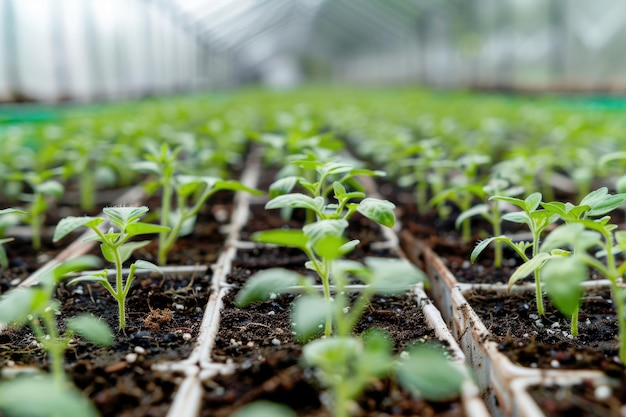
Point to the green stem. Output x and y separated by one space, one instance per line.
37 220
119 288
497 231
574 324
537 273
87 188
166 203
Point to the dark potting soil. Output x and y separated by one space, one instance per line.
513 323
163 320
585 399
259 340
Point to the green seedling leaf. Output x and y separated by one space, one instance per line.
562 277
51 187
571 235
100 276
348 247
125 251
517 217
297 200
140 228
92 329
68 224
147 166
70 266
233 185
145 265
367 172
536 262
430 375
323 228
15 305
478 209
515 201
329 246
555 207
264 408
379 211
481 246
377 348
283 186
12 211
620 238
309 314
532 202
337 168
42 396
267 284
330 353
123 216
606 205
291 238
393 276
595 197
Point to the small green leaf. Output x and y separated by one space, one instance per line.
393 276
478 209
265 284
515 201
607 205
525 269
15 305
323 228
329 246
92 329
283 186
595 197
430 375
68 224
127 249
17 398
263 408
481 246
532 202
97 277
233 185
291 238
517 217
11 211
51 187
140 228
145 265
122 216
330 353
62 270
562 277
297 200
379 211
309 313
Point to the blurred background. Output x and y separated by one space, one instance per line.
88 50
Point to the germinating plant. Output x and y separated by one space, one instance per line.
322 239
8 217
182 195
36 307
39 187
537 219
116 246
346 363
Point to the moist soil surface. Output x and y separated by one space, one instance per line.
259 340
162 324
547 343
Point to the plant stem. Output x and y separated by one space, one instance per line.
537 273
497 231
574 324
87 187
36 220
119 288
166 203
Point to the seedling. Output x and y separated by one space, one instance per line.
40 186
8 217
537 221
348 364
116 247
490 209
36 307
189 193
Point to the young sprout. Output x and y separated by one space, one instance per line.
188 194
537 220
8 217
490 209
40 186
36 307
116 246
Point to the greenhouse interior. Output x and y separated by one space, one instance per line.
325 208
